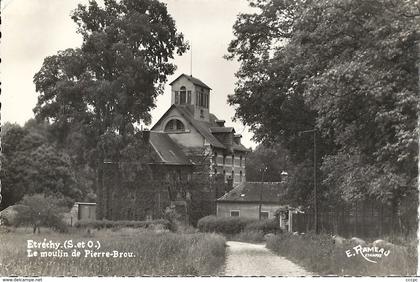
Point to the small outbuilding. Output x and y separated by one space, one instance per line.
246 198
81 211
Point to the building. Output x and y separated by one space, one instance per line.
245 199
81 211
193 160
196 135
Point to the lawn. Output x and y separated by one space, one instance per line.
155 254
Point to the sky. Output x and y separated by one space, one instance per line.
35 29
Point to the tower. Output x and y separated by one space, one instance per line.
193 94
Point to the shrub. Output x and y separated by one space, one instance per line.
224 225
265 226
8 216
236 225
99 224
173 218
39 210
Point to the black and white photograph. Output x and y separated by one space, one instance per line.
209 138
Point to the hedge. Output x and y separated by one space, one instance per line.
265 226
99 224
235 225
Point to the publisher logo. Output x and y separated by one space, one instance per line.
371 254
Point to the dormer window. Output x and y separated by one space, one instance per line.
174 125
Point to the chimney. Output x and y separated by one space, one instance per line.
220 122
237 138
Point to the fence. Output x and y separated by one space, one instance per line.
366 220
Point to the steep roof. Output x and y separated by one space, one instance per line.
249 192
167 150
203 127
193 80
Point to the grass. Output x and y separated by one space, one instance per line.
318 253
157 254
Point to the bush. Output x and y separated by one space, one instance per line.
265 226
224 225
319 254
236 225
39 210
99 224
8 216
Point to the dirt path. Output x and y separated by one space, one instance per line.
245 259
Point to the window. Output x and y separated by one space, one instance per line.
233 176
201 99
233 160
264 214
183 95
188 97
240 161
206 100
224 160
176 97
175 125
240 176
234 213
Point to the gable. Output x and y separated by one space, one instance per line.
190 79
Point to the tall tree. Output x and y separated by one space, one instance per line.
345 68
111 82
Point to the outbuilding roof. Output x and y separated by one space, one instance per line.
250 192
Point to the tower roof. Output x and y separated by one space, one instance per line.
193 80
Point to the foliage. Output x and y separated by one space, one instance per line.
112 81
100 224
224 225
41 211
173 218
235 225
319 254
32 164
265 226
274 158
156 254
347 69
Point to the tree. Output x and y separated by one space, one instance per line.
31 164
346 68
111 82
39 210
274 158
